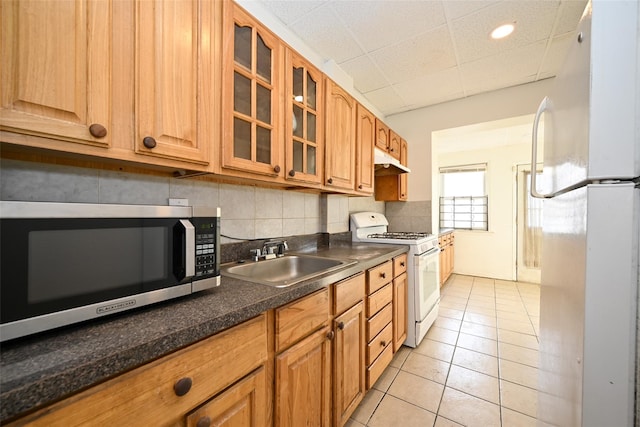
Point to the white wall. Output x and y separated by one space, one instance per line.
491 253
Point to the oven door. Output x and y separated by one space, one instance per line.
427 290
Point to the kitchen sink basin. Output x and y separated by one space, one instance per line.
284 271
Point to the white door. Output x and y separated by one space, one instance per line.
529 223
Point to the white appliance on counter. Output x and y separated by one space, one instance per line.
423 269
591 227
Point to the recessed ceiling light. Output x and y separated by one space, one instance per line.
502 31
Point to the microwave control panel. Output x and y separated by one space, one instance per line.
207 236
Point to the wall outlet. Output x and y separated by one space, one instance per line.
178 202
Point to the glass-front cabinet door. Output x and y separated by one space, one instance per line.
304 126
250 95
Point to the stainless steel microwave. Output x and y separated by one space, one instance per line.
62 263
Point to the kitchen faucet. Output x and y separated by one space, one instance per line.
270 249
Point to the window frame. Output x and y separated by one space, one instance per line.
464 203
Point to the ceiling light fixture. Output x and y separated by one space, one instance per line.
502 31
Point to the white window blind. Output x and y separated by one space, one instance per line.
464 203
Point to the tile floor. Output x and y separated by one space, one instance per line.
477 366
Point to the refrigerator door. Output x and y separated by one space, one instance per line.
590 115
588 306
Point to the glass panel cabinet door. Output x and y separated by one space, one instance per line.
250 95
304 118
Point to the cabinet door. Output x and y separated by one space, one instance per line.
382 136
251 95
303 381
349 363
242 405
56 68
395 143
173 79
400 294
340 160
304 125
404 156
365 135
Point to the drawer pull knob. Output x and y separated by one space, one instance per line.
341 325
402 264
204 422
149 142
276 169
182 386
383 275
330 335
97 130
330 181
383 343
292 173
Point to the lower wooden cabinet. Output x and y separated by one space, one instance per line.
446 242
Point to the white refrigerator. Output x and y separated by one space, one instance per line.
591 227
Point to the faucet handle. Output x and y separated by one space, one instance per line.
282 246
255 254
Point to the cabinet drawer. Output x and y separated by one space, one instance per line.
377 368
399 265
378 344
379 299
379 321
347 293
378 276
301 317
147 394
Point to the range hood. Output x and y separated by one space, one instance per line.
387 165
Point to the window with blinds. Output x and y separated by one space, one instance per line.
464 203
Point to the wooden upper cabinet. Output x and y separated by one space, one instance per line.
404 158
395 142
56 68
304 120
382 135
251 95
340 128
174 66
394 187
365 136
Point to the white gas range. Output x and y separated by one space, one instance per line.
423 269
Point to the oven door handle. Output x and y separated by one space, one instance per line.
430 252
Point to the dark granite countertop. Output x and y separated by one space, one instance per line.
36 371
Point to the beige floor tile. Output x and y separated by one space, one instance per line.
511 306
506 297
480 319
453 298
482 297
400 356
510 315
453 305
468 410
452 313
516 326
482 311
474 383
447 323
456 292
427 367
516 338
518 354
395 412
442 335
385 380
480 344
417 390
479 330
476 361
483 281
435 349
519 373
368 405
353 423
443 422
515 419
519 398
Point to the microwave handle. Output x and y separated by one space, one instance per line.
186 249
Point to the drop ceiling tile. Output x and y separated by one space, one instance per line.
379 23
431 89
424 54
503 70
387 98
366 76
534 21
570 13
556 55
458 9
323 32
290 11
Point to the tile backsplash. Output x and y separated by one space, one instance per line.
248 212
409 216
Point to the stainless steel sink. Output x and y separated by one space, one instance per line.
284 271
